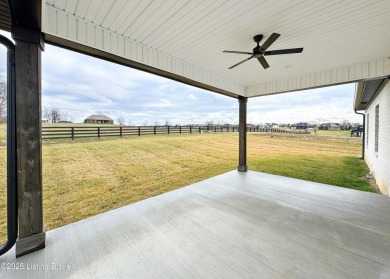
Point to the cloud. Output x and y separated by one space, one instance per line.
161 104
317 105
192 97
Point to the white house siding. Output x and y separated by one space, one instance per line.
379 162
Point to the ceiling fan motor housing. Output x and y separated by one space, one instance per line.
257 51
258 38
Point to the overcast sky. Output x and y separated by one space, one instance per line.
81 85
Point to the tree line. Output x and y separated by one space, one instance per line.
54 115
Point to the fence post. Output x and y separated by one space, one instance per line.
72 133
154 130
168 130
139 131
120 131
190 129
179 129
215 129
98 130
200 130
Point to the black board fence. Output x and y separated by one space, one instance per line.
126 131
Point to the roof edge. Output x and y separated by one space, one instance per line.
367 90
358 95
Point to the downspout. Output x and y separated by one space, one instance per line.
12 197
364 132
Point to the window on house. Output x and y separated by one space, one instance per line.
367 129
376 127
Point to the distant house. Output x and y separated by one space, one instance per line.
99 119
271 125
302 126
330 126
357 131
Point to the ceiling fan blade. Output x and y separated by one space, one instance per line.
283 51
263 62
241 62
240 52
270 41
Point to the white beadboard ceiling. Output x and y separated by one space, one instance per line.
343 41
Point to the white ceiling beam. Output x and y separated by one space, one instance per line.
341 75
60 25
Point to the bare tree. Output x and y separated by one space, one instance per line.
64 116
345 125
52 114
3 99
55 114
46 114
210 124
121 120
167 123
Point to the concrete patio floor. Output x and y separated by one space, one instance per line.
235 225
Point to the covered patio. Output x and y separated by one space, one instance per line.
235 225
239 224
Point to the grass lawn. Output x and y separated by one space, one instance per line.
3 134
87 177
332 133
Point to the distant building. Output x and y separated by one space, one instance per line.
271 125
330 126
99 119
357 131
302 126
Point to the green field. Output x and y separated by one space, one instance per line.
332 133
88 177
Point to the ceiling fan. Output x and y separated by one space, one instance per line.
260 51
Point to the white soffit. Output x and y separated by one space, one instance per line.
343 41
